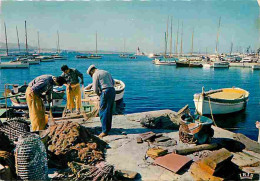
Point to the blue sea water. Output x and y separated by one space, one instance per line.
150 87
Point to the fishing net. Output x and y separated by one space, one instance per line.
31 158
15 128
72 142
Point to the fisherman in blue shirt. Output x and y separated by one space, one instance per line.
103 86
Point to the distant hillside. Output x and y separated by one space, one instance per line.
15 46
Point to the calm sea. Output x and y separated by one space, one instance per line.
150 87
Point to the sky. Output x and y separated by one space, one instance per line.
139 23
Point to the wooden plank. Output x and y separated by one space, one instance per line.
215 160
244 160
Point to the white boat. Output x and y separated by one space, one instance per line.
33 61
256 67
30 60
163 62
220 64
247 60
119 87
221 101
14 65
58 57
45 58
207 65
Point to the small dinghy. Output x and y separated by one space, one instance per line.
221 101
119 87
18 99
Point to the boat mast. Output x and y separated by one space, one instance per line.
6 40
96 42
58 43
171 40
218 36
166 36
231 48
165 39
18 42
39 50
124 47
192 36
181 36
176 50
26 45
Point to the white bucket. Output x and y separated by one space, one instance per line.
15 88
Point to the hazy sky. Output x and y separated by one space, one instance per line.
141 23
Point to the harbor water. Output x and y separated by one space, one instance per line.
150 87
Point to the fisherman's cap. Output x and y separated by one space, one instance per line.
90 68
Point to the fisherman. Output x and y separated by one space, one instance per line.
40 87
103 86
73 87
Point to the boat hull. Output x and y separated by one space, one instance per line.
205 105
220 65
181 64
14 65
256 67
34 62
119 88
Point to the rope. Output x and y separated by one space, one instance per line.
211 113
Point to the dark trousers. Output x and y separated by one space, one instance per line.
107 99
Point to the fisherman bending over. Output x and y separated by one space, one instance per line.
39 87
103 86
73 87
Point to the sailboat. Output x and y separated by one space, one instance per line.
12 64
166 60
7 56
218 63
123 55
58 56
30 59
95 56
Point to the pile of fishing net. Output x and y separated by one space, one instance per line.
70 141
102 171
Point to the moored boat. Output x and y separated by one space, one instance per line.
20 100
207 65
196 64
94 56
124 56
163 62
133 57
45 58
221 101
182 63
119 87
82 56
14 65
256 67
58 57
221 64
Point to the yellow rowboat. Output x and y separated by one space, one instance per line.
221 101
